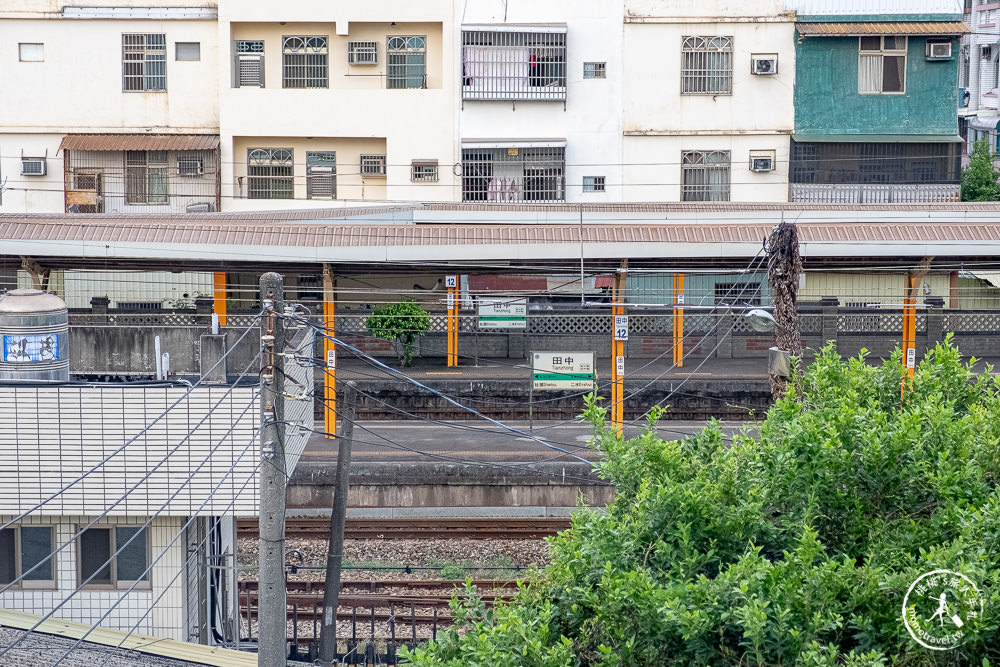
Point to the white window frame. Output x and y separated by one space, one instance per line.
47 584
24 54
707 65
303 73
706 163
149 52
875 59
595 70
113 546
594 184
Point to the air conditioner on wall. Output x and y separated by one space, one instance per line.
762 164
764 64
939 49
33 167
362 53
190 167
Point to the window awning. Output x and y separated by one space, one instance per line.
878 138
140 142
992 277
882 28
985 123
514 143
515 27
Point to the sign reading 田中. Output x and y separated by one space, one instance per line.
503 314
562 370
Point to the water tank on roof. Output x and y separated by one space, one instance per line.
34 332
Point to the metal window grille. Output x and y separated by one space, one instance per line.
881 64
513 65
593 184
144 62
190 165
871 163
594 70
743 293
406 65
270 173
705 176
305 61
362 53
514 174
424 170
707 66
248 63
321 175
372 165
145 177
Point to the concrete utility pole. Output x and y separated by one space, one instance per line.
784 265
335 553
272 649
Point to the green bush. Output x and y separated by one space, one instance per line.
979 179
791 546
403 322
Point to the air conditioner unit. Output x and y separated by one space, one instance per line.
362 53
939 49
33 166
762 164
200 207
764 65
190 167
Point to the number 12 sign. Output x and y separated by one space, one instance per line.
621 327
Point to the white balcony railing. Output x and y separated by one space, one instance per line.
881 193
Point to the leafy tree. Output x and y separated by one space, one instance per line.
794 545
402 322
979 179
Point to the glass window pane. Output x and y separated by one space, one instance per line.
95 552
7 565
188 50
132 559
31 53
36 544
871 43
893 74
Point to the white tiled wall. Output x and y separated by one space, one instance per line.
87 606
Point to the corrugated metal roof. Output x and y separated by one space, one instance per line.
882 28
869 7
140 142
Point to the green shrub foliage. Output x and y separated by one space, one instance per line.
794 545
979 179
404 322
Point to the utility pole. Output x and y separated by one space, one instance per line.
784 265
335 553
619 335
914 279
272 615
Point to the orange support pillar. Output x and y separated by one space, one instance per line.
219 294
678 343
330 356
909 331
452 283
619 335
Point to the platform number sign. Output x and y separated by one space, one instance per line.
621 327
680 298
451 281
620 365
331 359
911 357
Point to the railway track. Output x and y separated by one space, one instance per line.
405 529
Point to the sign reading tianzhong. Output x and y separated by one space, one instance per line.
503 314
562 370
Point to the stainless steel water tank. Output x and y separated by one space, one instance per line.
34 333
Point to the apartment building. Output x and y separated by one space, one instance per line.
108 108
707 100
979 74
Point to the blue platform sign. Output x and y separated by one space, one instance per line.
23 348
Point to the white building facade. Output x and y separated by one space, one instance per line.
707 100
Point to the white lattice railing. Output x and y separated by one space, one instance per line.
844 193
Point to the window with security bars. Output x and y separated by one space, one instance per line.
305 61
248 63
270 173
23 550
705 176
321 175
424 170
593 184
595 70
144 62
372 165
866 163
145 177
732 294
514 174
406 61
707 66
881 64
362 53
514 65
